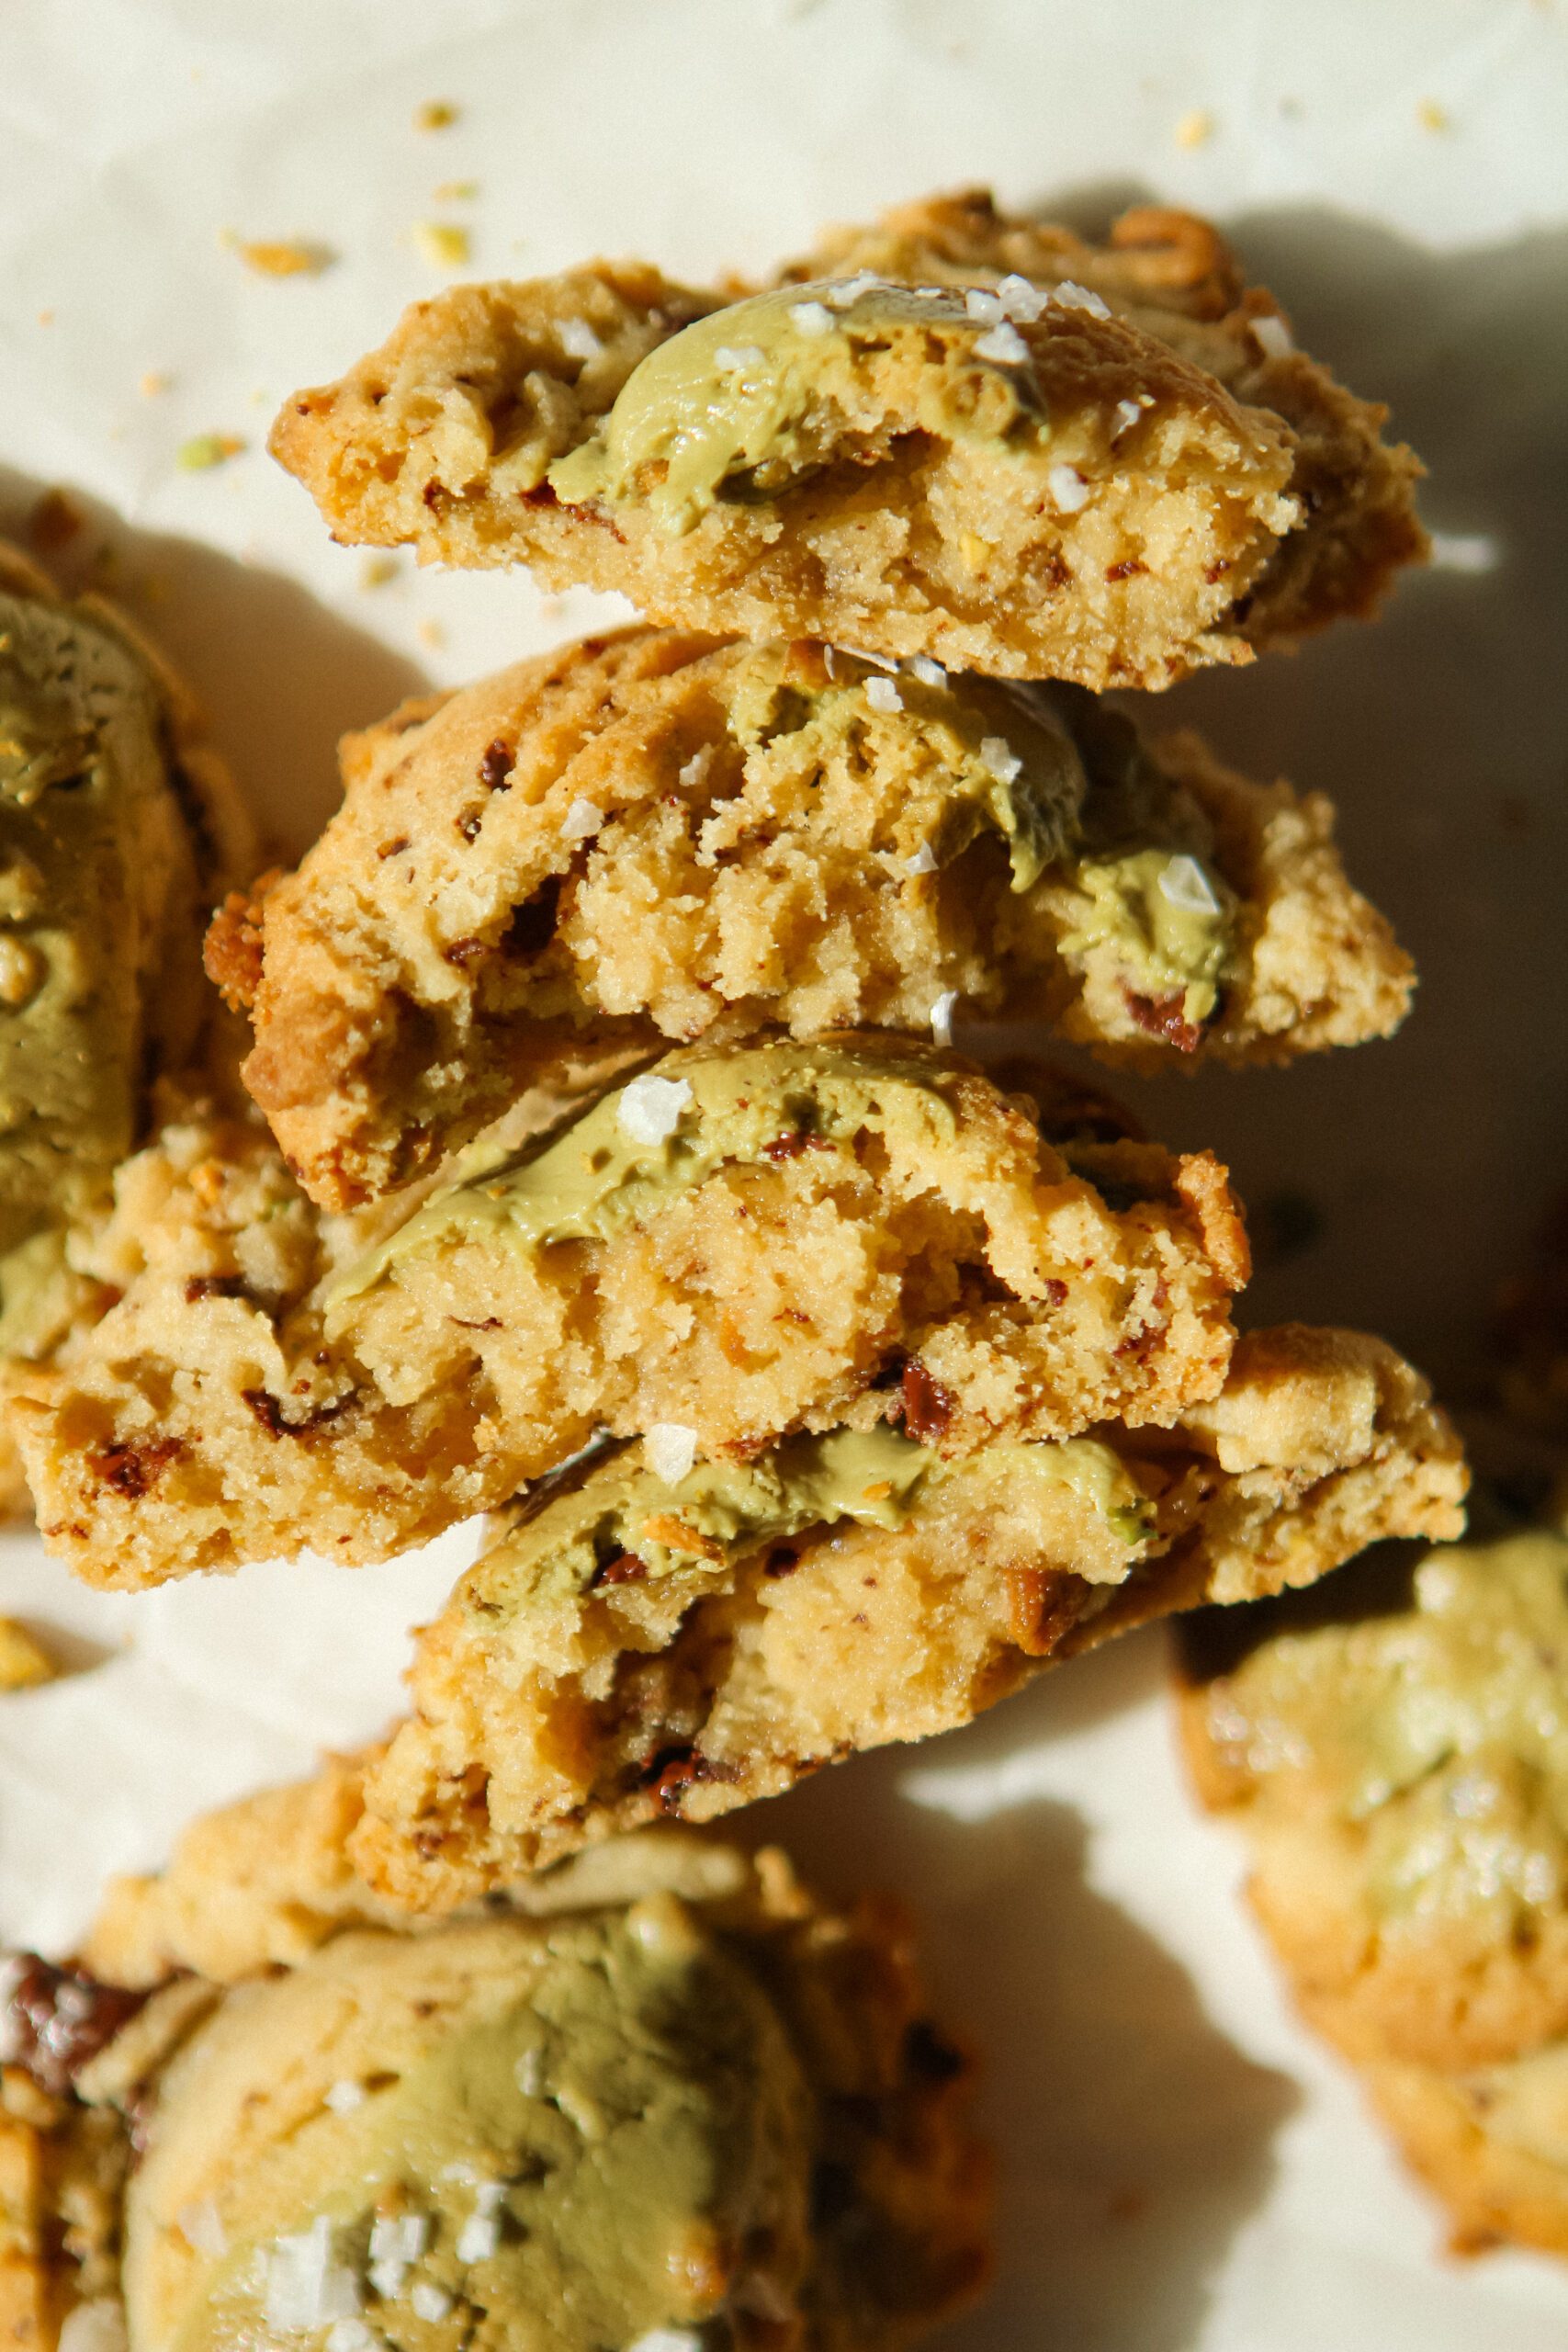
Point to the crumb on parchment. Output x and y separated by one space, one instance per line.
436 114
205 450
1195 129
24 1661
282 256
444 243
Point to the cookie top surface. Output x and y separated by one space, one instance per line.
1406 1780
563 2133
952 447
656 836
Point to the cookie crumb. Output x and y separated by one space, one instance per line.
443 244
1432 115
154 381
436 114
1195 129
24 1662
431 634
205 450
377 569
456 192
284 256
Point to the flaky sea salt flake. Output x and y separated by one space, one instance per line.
1068 487
96 2326
201 2226
811 318
649 1109
1005 345
430 2302
1184 884
479 2238
669 1447
942 1017
579 340
849 291
581 821
1074 297
1271 336
924 861
883 694
998 759
1021 300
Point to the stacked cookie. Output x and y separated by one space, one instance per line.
605 1164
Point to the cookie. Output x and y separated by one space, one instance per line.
632 2106
743 1242
1403 1782
656 838
632 1647
119 833
1493 2145
995 446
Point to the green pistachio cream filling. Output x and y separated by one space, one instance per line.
587 2149
757 396
96 877
626 1520
653 1138
1441 1732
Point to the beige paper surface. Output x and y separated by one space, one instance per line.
1182 2167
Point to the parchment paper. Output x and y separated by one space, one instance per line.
1182 2167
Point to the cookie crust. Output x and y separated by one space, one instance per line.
1154 534
547 1717
220 1411
659 839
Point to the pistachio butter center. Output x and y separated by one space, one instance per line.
582 2142
95 865
1164 919
624 1521
645 1143
752 398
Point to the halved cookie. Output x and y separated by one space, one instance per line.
746 1241
633 1645
658 838
995 444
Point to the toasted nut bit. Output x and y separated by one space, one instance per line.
24 1662
284 256
22 971
442 243
204 450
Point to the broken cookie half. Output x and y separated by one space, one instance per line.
953 434
658 838
748 1243
637 1643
